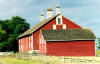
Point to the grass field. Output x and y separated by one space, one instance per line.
6 60
97 51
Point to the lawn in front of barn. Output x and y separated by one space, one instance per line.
9 60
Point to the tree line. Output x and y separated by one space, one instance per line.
10 29
98 43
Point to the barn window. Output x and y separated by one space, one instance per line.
59 20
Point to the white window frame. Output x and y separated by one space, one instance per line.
64 26
54 26
60 16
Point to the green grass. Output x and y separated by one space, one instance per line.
97 51
8 60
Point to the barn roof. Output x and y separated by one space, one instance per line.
37 26
68 34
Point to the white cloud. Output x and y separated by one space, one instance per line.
15 10
93 21
10 8
2 2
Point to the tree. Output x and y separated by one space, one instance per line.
2 38
2 33
99 43
13 29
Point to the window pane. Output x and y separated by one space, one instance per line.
59 21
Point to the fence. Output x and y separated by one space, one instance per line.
59 59
6 53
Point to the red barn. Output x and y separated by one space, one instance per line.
58 36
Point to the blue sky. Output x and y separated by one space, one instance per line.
84 12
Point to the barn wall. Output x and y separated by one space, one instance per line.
25 44
71 48
36 34
69 25
42 44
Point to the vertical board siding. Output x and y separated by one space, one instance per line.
28 42
71 48
32 42
42 45
59 26
70 24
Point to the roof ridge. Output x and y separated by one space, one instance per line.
37 26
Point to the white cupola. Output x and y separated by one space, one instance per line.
41 17
49 12
57 9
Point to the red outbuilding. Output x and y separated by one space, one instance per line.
70 42
57 36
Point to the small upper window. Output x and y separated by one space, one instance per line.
59 21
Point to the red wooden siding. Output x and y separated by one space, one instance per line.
36 34
59 26
25 44
70 24
71 48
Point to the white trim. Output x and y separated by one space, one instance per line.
64 26
95 48
73 40
26 44
45 47
49 14
54 26
29 42
44 42
60 16
41 18
57 10
21 45
32 42
39 41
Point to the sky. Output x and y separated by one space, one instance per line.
86 13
